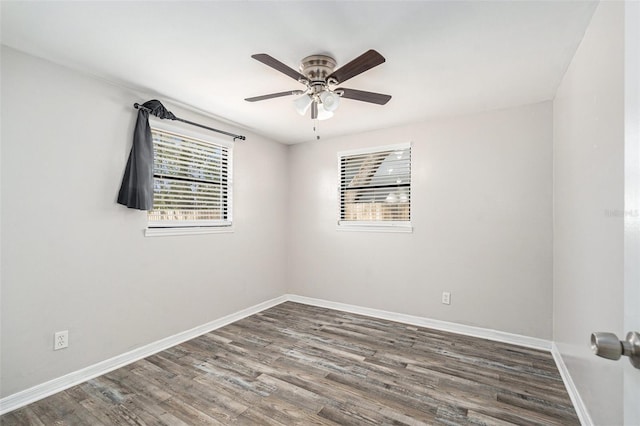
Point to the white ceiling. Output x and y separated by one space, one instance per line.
443 57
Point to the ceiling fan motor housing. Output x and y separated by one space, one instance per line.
317 68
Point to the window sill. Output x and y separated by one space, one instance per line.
166 232
375 227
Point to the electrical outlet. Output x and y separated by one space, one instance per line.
446 297
61 340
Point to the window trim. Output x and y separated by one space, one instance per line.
163 232
374 226
158 228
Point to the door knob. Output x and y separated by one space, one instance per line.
608 346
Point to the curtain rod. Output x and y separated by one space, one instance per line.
234 136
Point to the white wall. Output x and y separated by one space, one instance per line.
73 259
482 214
588 205
481 211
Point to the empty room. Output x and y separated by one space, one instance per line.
320 212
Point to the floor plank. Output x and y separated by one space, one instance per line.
305 365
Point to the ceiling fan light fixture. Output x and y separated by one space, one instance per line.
302 104
330 100
323 113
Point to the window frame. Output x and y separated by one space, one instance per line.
380 225
165 228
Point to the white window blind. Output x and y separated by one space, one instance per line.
375 186
192 181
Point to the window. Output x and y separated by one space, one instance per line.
192 182
375 189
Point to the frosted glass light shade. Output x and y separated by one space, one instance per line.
323 114
302 104
330 101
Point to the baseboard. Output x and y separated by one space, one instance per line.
467 330
27 396
22 398
572 390
495 335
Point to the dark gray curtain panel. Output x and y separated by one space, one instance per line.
136 191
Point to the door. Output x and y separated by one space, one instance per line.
631 376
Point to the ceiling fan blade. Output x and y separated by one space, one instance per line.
314 110
274 95
362 63
360 95
279 66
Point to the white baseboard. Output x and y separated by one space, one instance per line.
495 335
27 396
467 330
22 398
572 390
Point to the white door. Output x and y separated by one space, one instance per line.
632 205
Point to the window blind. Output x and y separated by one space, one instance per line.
375 186
192 181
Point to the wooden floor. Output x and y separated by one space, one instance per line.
298 364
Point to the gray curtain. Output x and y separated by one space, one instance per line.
136 191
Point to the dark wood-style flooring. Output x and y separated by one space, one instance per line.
304 365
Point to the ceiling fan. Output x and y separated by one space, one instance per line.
318 74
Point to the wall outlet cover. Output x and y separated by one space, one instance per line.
60 340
